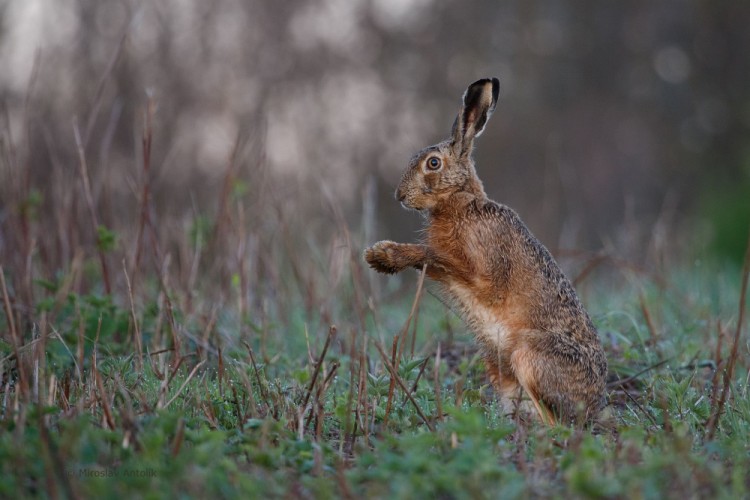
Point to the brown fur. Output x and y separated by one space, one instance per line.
523 311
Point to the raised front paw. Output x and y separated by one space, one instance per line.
383 256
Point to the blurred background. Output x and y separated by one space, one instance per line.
621 126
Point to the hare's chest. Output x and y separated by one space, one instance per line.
485 321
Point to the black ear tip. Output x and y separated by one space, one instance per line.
484 81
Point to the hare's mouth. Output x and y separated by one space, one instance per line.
406 201
412 208
401 197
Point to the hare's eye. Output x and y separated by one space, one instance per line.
433 163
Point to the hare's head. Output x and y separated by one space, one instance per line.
438 172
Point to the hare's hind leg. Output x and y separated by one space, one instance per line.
544 414
572 387
522 361
510 390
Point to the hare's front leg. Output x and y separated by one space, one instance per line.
390 257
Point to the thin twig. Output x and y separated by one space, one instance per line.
221 373
718 362
350 427
319 364
415 304
185 383
249 390
401 384
436 377
321 390
13 332
363 390
649 320
392 384
354 256
648 414
146 188
88 197
729 373
99 92
422 274
103 398
419 375
237 408
222 217
138 338
257 374
625 380
162 274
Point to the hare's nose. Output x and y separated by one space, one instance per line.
400 195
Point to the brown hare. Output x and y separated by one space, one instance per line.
534 332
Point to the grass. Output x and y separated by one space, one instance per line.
244 350
83 416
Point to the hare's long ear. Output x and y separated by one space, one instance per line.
478 104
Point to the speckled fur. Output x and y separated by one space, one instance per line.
524 312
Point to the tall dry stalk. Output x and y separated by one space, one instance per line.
713 421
